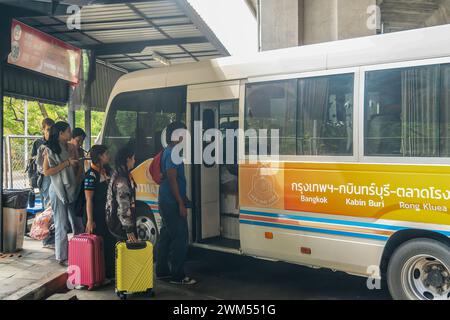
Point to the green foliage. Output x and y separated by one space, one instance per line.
14 115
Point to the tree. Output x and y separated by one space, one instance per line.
14 117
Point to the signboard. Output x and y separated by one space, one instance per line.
40 52
376 191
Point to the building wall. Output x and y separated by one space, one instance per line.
280 23
288 23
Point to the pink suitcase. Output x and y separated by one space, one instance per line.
86 257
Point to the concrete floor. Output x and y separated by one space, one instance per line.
225 276
27 270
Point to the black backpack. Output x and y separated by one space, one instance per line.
33 175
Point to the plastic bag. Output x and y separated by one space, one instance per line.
15 198
41 226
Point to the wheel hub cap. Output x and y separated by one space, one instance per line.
426 278
146 229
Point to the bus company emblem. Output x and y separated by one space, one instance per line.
262 190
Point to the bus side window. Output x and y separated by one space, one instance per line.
406 112
314 116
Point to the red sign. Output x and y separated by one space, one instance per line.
40 52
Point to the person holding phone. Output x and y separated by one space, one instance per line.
61 165
121 197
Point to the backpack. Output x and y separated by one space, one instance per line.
155 168
33 175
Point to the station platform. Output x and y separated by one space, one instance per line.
30 274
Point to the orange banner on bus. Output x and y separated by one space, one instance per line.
379 191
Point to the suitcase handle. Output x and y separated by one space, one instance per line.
136 245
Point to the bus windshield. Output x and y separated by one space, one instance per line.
140 117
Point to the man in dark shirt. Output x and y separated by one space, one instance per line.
173 242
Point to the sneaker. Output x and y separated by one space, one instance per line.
185 281
49 246
106 282
64 263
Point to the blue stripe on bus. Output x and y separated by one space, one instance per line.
151 202
154 203
333 221
315 230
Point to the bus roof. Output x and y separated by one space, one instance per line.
425 43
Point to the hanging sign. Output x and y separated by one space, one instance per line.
40 52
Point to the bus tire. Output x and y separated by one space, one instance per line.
147 229
419 269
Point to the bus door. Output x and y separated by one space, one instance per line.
209 201
212 106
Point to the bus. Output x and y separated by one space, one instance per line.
362 180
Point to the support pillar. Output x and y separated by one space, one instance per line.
88 129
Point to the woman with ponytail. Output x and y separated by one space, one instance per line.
62 166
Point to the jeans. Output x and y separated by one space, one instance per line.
44 191
173 242
65 218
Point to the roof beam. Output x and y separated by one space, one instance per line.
116 28
138 46
43 7
201 24
173 56
151 24
40 25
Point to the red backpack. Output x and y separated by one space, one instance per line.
155 168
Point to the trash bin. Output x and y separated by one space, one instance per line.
14 218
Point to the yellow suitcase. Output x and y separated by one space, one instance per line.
134 268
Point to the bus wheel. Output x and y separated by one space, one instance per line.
420 270
146 227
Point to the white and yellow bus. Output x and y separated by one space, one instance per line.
362 184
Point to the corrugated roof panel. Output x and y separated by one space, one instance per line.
165 21
183 60
177 56
158 8
150 32
182 31
200 58
159 11
137 55
131 65
126 36
164 49
127 22
110 56
199 47
112 25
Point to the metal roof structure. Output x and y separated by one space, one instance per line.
133 35
399 15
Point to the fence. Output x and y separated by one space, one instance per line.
16 154
15 160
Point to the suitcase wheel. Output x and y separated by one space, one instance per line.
150 293
122 295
